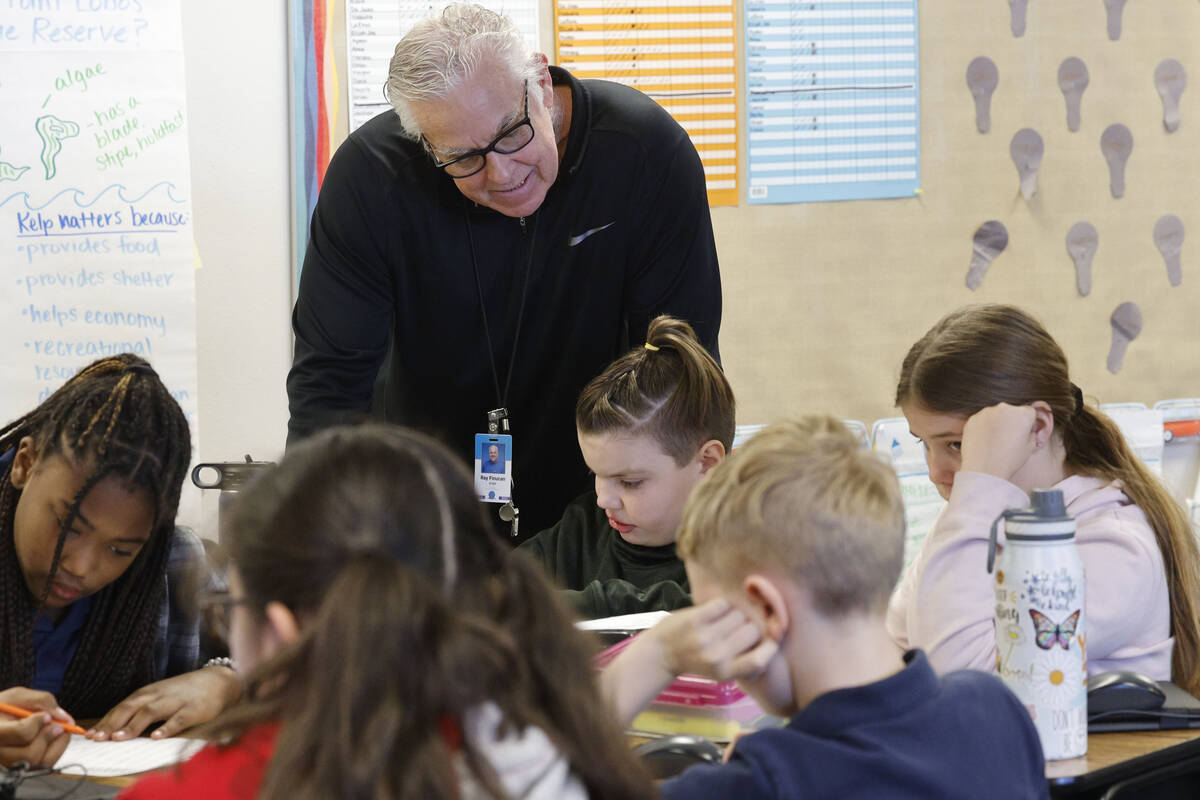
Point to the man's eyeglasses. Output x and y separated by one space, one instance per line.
509 141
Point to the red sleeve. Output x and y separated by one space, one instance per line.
232 772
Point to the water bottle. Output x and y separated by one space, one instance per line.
229 477
1041 620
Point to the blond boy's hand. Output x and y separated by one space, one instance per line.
715 640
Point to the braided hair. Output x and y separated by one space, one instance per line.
114 419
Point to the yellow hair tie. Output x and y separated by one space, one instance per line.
649 346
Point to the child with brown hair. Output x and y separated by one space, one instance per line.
394 647
988 391
793 546
649 426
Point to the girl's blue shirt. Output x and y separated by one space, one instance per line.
54 645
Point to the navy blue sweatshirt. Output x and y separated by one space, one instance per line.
911 736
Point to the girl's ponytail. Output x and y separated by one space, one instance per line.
1095 446
387 726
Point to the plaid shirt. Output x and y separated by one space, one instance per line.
177 641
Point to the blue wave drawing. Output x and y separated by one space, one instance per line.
80 194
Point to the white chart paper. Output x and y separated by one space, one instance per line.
96 248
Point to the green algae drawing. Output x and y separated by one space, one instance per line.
52 131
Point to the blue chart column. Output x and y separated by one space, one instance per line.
832 100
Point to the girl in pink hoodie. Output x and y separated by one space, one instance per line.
988 393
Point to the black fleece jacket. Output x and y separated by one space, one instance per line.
624 234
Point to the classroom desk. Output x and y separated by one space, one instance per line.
1111 757
1114 757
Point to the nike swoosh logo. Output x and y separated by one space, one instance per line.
574 240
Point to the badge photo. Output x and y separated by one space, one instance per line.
493 467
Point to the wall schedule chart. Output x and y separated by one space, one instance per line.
373 28
832 100
682 53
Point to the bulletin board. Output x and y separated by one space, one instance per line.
822 300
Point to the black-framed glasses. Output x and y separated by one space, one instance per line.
216 609
509 141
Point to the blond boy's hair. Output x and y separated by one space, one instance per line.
804 499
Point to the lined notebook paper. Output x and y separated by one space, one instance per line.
111 759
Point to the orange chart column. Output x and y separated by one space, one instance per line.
682 53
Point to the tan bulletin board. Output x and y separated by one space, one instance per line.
822 300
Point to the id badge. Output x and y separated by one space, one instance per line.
493 467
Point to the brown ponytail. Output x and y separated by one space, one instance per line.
670 389
983 355
1095 446
412 614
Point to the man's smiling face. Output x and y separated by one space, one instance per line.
471 115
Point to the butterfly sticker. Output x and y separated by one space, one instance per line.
1048 633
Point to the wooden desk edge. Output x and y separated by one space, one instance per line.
1121 755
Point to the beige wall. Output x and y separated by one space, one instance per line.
237 105
822 300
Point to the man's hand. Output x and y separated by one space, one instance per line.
179 703
39 738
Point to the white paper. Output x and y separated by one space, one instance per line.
1143 429
112 759
922 503
625 622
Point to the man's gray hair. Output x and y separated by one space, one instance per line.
443 49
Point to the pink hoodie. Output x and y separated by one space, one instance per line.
944 603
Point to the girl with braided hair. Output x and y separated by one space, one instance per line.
394 649
95 615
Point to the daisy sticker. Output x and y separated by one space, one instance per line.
1058 679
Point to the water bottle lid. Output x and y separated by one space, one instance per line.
1048 504
1045 520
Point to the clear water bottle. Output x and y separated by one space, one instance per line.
1041 620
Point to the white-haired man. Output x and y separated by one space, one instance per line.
501 237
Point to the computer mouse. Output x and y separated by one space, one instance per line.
1123 690
671 755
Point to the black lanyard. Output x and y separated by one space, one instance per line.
502 397
498 417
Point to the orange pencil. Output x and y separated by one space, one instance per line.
22 713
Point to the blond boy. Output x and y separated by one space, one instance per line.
792 547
